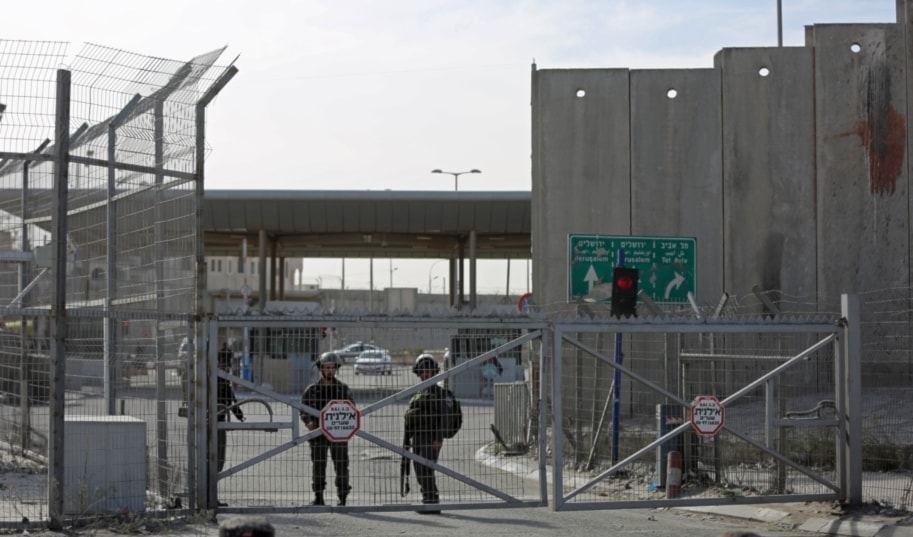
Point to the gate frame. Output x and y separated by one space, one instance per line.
848 388
843 334
205 404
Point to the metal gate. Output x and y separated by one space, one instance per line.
624 435
268 462
619 405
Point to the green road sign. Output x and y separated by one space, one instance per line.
666 264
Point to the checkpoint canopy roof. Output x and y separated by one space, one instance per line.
383 223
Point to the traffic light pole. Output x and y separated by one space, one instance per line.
616 384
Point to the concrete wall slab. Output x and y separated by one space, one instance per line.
863 185
676 165
769 170
581 177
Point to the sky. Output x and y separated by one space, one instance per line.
374 94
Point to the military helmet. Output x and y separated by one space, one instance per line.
330 358
425 362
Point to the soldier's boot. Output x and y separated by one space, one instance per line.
318 499
430 499
342 491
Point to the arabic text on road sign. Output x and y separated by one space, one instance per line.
667 264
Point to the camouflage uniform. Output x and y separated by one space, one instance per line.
317 396
423 428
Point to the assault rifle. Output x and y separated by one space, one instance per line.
404 467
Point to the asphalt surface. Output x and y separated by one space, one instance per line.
764 521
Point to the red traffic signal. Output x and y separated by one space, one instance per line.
624 291
625 282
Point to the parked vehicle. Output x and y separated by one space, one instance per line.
374 362
350 352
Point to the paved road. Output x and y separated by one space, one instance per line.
538 522
532 522
765 521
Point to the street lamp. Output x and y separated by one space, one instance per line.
456 176
431 268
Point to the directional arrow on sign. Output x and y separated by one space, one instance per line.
591 277
676 282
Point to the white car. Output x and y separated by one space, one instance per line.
376 361
350 353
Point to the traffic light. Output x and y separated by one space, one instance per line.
323 332
624 291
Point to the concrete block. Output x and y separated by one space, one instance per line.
104 464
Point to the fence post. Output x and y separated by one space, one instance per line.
557 412
58 318
852 400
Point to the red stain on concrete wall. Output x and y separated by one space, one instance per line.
884 138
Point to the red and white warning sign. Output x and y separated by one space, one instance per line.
340 420
707 415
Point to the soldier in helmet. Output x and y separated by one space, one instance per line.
227 404
423 427
316 396
227 401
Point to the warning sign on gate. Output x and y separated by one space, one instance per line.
707 415
340 420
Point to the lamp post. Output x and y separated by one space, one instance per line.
456 176
332 302
429 273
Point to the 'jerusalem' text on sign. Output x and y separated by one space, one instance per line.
667 265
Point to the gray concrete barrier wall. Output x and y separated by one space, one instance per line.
789 165
794 180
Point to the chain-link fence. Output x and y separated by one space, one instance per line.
795 413
623 390
270 457
100 184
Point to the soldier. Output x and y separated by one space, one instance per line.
226 399
316 396
423 428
